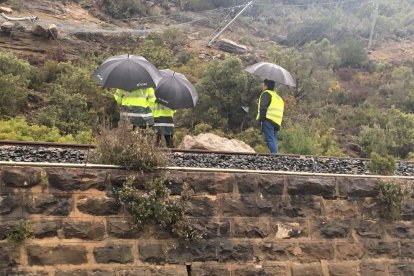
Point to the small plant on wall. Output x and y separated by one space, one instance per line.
152 203
383 165
19 232
390 199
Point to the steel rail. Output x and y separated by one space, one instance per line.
177 150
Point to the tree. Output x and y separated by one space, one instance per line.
224 89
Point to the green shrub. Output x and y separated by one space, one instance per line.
353 54
19 232
68 112
384 165
18 129
390 199
134 150
153 203
123 8
157 54
13 95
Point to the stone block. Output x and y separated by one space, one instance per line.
212 228
235 252
277 251
65 179
306 185
179 270
381 249
8 257
407 211
401 230
98 206
72 273
252 228
343 269
347 251
4 227
55 255
357 187
195 252
407 249
8 203
369 208
307 269
46 228
247 182
85 230
246 206
152 253
213 184
374 268
123 228
315 251
403 269
48 204
341 209
175 181
201 207
298 207
275 269
135 271
250 271
21 177
19 272
271 184
369 229
121 254
331 229
210 269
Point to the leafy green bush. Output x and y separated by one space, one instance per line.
384 165
390 199
19 232
157 54
353 54
134 150
18 129
154 204
68 112
123 8
13 95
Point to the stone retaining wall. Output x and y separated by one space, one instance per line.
255 224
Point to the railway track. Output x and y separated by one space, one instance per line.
18 151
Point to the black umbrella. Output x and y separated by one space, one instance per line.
273 72
175 91
127 72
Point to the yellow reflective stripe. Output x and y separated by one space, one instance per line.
141 115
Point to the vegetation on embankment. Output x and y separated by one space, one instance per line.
345 103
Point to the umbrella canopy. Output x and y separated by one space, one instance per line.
175 91
127 72
273 72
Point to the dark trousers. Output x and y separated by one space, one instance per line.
169 140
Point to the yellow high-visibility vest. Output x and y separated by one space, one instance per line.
160 110
140 97
275 109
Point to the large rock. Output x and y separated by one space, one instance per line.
209 141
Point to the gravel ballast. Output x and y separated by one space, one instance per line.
213 160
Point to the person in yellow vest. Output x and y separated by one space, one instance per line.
270 114
136 106
164 124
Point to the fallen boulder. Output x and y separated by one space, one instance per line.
210 141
